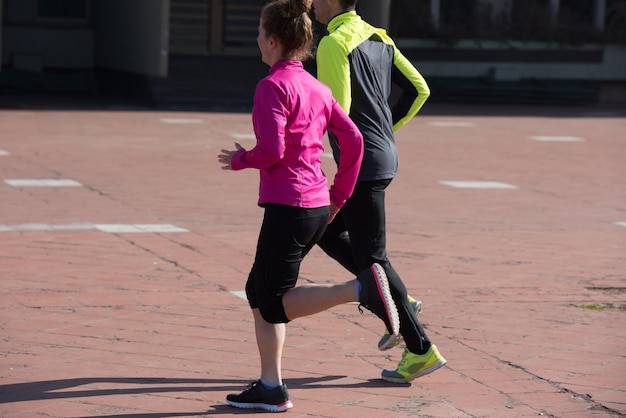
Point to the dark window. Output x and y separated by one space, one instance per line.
576 12
62 9
616 21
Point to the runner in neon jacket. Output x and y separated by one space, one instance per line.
360 63
363 91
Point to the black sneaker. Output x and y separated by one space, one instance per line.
376 296
258 397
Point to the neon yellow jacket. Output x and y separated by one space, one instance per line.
360 63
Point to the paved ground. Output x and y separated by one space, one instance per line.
524 285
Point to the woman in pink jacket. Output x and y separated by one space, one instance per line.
292 111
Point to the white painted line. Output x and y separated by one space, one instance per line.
188 121
160 228
124 228
556 138
101 227
42 183
243 136
240 294
114 228
478 184
451 124
45 227
621 224
3 153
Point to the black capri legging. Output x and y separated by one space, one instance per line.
287 234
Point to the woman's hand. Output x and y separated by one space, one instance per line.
227 155
334 210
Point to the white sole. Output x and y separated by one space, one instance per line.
385 293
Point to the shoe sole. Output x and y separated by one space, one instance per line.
392 342
385 294
264 406
423 373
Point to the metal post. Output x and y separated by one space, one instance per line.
500 8
554 11
1 20
435 13
216 26
599 13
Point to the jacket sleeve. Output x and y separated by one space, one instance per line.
350 143
333 69
269 118
414 90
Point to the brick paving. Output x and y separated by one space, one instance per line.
524 289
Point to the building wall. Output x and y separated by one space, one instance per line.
30 43
128 35
132 35
513 61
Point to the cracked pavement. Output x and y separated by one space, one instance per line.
524 288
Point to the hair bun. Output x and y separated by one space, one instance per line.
298 7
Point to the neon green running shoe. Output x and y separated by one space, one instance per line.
414 365
388 341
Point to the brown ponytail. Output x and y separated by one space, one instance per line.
289 22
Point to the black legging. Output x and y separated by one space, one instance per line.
357 238
287 234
